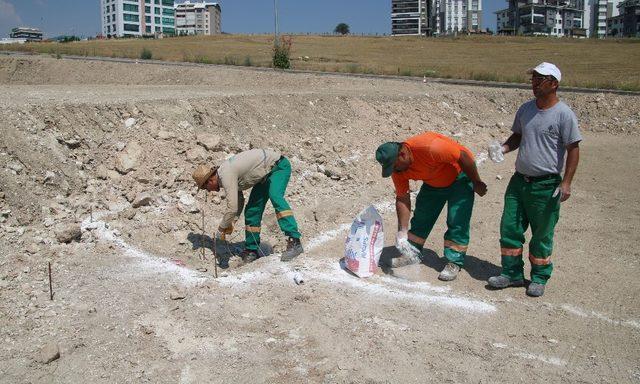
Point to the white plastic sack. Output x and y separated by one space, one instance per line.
364 243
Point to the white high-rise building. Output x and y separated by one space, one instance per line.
198 18
131 18
455 16
435 17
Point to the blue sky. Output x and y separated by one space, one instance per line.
82 17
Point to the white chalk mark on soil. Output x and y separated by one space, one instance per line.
147 262
530 356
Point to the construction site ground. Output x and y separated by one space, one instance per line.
83 143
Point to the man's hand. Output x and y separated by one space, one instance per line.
222 233
480 188
565 191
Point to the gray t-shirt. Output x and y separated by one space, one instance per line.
545 134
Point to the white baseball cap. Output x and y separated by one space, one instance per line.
546 69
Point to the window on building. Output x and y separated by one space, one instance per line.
147 9
129 17
147 29
168 12
167 3
147 19
157 20
113 7
167 20
129 7
132 27
157 11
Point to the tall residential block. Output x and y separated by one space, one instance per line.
574 18
630 13
435 17
198 18
410 17
131 18
543 18
457 16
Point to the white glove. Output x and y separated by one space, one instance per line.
495 152
401 238
406 249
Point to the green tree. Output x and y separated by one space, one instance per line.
342 29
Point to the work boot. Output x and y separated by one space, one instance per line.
500 282
294 248
449 273
248 256
535 290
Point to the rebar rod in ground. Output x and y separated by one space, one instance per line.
50 284
202 243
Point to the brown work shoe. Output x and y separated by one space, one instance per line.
294 248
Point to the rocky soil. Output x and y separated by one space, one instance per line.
95 164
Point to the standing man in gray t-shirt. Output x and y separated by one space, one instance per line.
544 130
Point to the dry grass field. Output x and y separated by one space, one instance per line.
589 63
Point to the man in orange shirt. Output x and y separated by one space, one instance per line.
449 175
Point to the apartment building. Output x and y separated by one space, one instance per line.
410 17
457 16
198 18
504 22
435 17
133 18
26 34
615 26
558 18
630 13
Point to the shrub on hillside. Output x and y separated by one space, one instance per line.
281 53
146 54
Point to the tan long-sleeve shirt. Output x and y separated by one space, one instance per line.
241 172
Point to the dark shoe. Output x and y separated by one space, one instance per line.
294 248
535 290
500 282
248 256
449 273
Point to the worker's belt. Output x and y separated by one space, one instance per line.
531 179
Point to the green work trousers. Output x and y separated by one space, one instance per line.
271 188
429 203
529 201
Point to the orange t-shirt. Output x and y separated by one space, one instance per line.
435 161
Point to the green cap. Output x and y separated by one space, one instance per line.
386 155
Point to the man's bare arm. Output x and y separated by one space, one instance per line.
512 143
403 210
469 167
573 158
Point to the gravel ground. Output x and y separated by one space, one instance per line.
84 142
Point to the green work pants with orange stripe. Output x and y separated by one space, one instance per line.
271 188
429 203
529 201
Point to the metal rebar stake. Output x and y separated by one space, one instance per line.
50 284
